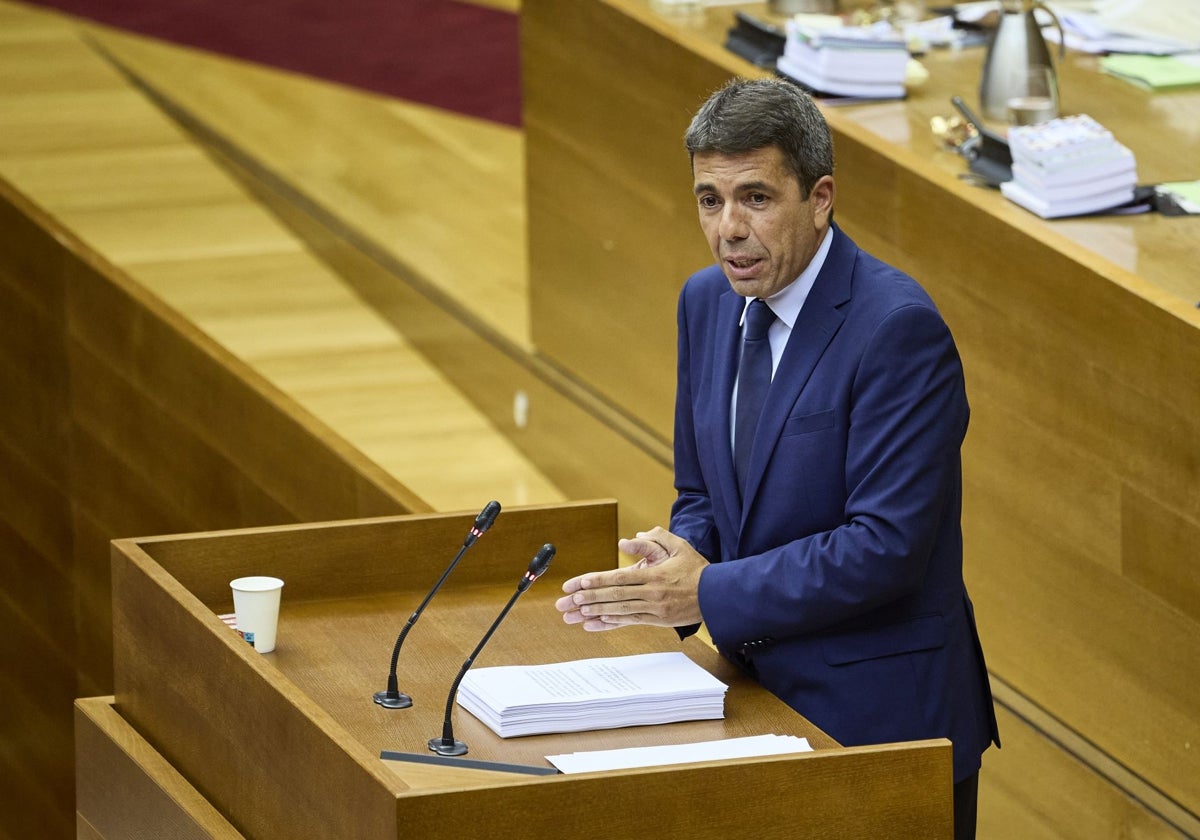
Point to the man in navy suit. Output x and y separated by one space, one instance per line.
816 531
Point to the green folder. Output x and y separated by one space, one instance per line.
1154 72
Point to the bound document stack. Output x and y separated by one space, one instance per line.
862 62
588 694
1068 167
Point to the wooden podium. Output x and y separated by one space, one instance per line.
207 738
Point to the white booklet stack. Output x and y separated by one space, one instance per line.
1069 166
867 62
607 693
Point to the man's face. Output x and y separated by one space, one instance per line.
761 230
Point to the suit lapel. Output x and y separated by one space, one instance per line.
819 320
726 348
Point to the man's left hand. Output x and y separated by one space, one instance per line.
660 589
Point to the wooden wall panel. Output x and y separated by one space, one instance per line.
93 603
1035 790
612 220
1093 651
34 503
31 361
45 574
85 830
1154 537
116 766
37 681
37 676
141 451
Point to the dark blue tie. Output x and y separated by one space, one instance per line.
754 377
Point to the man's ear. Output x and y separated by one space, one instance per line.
821 196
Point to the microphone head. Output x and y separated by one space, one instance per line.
541 561
487 516
537 566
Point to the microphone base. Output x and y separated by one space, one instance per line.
398 701
441 747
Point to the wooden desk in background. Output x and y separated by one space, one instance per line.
1081 341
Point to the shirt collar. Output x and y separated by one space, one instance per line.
788 301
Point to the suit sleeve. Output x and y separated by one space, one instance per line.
692 513
901 486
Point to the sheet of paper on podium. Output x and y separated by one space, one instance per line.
724 750
607 693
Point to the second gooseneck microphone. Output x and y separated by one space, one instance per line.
391 698
446 745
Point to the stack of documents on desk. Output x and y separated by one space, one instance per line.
1151 27
1068 167
588 694
867 62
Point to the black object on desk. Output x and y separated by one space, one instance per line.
474 764
987 153
757 41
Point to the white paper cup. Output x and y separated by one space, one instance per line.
256 605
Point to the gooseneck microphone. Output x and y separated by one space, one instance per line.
446 745
391 698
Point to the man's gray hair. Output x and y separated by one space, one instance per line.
745 116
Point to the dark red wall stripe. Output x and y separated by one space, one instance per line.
443 53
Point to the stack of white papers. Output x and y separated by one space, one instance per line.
868 62
1153 27
588 694
726 750
1067 167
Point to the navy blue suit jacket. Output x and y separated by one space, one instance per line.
838 579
